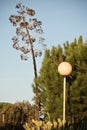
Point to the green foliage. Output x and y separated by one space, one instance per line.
51 83
76 54
4 105
17 113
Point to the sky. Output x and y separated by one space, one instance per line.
63 20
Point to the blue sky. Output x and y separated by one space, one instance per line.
63 20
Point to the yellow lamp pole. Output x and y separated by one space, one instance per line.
64 69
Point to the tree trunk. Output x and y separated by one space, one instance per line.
35 73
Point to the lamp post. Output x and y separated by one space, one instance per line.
64 69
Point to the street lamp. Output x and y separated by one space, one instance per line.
64 69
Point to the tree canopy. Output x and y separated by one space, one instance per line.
51 82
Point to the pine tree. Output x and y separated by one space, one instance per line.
51 83
77 56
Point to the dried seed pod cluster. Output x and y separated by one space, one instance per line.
24 26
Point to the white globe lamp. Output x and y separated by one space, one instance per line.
64 69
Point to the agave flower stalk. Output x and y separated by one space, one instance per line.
24 26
